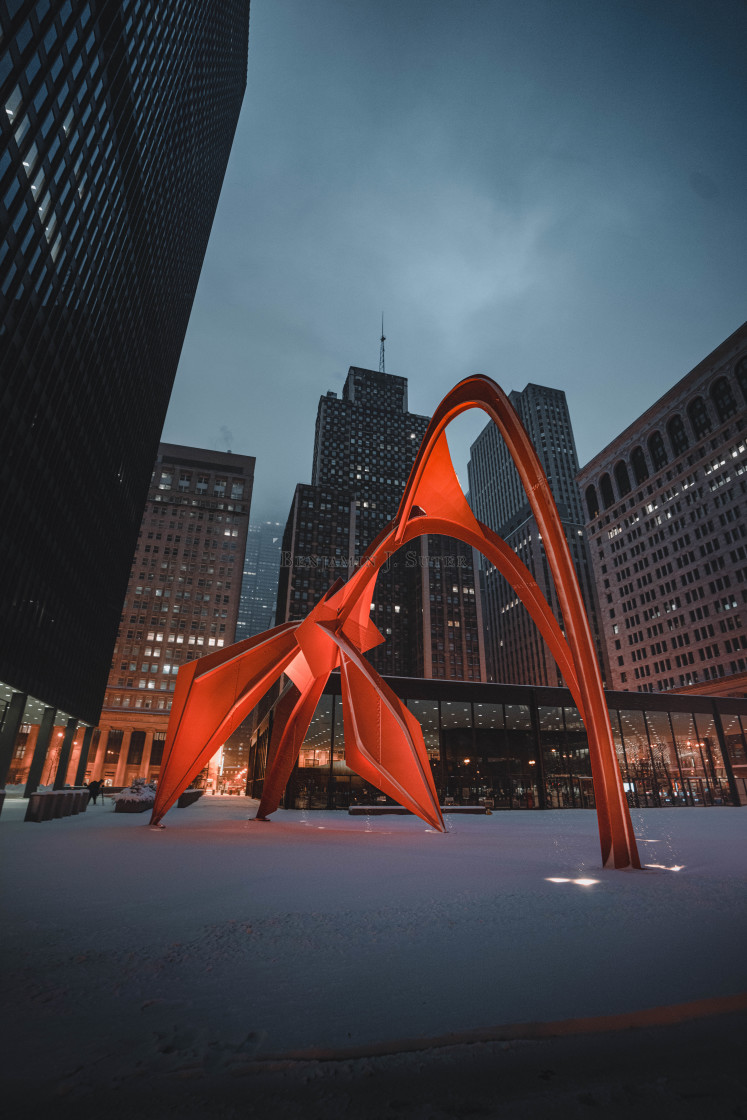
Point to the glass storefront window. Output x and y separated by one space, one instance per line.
463 766
522 757
309 787
685 737
552 740
518 717
565 752
664 759
488 715
697 777
316 745
617 738
455 715
641 784
573 721
712 760
514 756
344 785
491 748
338 740
736 744
550 721
426 713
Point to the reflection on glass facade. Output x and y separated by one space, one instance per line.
426 713
510 747
735 745
566 758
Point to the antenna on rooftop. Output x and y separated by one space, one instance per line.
382 363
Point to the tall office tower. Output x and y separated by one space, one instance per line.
182 599
426 603
666 505
516 651
259 587
117 125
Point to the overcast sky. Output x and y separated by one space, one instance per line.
538 190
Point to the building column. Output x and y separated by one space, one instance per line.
11 723
72 766
28 754
147 750
98 762
65 749
85 746
46 728
124 750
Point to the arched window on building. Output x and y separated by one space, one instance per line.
657 451
677 435
622 479
605 486
638 463
699 418
723 399
741 372
592 502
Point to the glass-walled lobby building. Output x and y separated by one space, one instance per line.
515 747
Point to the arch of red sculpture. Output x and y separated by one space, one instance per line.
383 741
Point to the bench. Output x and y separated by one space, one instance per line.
52 804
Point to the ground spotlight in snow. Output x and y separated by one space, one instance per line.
662 867
579 882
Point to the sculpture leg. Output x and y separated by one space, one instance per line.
275 777
293 716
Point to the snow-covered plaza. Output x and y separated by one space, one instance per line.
226 967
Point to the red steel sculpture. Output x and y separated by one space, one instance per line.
383 741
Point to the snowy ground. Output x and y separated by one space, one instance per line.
329 965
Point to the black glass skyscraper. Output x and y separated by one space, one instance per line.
259 587
426 604
516 650
117 123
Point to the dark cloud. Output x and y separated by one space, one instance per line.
510 180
